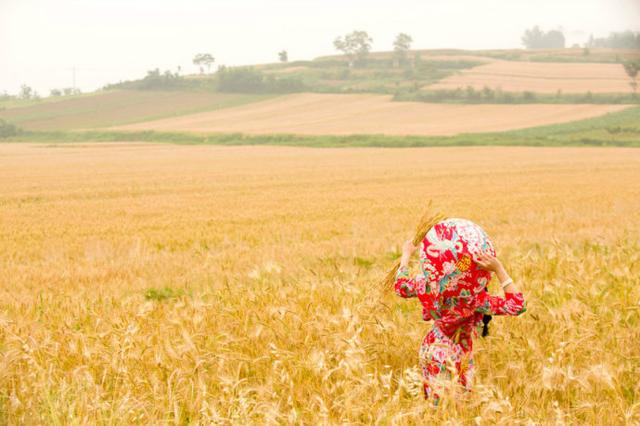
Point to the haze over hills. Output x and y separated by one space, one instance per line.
109 41
444 92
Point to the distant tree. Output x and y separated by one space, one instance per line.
283 56
535 38
26 92
250 80
554 40
532 38
632 68
356 46
620 40
401 46
158 80
202 60
55 92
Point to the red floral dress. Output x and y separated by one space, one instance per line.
453 293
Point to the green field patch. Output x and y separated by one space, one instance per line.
161 294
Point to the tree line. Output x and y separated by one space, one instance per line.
619 40
27 93
535 38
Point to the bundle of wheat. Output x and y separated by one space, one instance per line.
427 221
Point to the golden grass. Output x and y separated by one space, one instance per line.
427 221
346 114
198 285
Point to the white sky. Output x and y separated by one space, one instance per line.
113 40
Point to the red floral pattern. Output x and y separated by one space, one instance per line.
453 292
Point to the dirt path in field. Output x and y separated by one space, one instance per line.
329 114
541 77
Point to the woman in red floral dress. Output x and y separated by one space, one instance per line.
456 262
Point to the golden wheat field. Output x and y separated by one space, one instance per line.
541 77
158 284
345 114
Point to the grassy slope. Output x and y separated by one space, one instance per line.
119 107
379 75
615 129
10 102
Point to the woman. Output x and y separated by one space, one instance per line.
456 262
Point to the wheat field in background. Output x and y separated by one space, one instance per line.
541 77
367 114
166 284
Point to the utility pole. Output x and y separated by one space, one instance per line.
74 78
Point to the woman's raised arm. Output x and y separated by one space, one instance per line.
405 285
512 304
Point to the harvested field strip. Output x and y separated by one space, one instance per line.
541 77
326 114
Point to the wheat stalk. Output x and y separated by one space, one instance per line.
427 221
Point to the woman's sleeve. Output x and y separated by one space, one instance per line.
406 286
510 304
414 287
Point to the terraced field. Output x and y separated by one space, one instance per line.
329 114
541 77
119 107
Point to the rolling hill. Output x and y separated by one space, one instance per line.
327 97
112 108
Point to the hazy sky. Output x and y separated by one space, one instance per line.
112 40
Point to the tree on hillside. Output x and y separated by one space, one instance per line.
401 46
356 46
26 92
535 38
69 91
632 68
283 56
203 60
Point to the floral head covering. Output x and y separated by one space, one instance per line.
447 262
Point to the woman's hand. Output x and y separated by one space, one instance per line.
407 250
488 262
491 263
